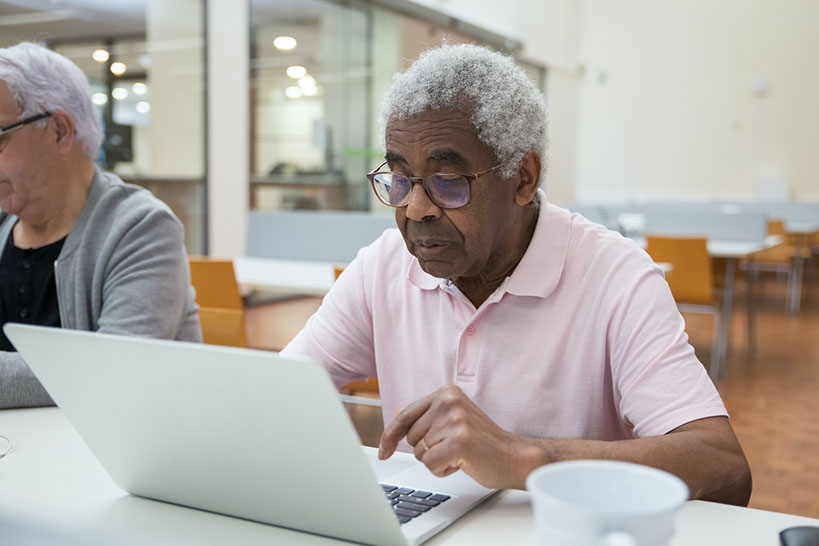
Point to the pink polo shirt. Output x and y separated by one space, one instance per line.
582 340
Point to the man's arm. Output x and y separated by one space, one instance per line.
147 282
18 386
457 435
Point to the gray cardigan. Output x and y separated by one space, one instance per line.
122 270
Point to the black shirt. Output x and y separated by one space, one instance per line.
28 291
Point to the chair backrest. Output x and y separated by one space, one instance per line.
215 283
221 310
313 235
776 227
691 280
223 326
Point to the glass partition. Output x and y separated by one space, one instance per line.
145 62
318 70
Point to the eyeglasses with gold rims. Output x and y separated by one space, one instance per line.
446 190
4 131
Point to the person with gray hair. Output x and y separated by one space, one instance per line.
505 332
79 248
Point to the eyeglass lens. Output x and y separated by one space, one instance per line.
445 190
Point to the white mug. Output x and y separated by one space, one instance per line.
604 503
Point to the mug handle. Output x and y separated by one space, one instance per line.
619 538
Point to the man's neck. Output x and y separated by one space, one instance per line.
478 288
58 218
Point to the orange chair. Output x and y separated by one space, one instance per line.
352 392
221 310
692 284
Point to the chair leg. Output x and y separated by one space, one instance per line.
717 348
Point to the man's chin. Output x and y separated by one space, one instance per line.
440 269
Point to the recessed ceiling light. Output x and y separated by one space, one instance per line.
99 98
143 107
139 88
118 68
296 71
284 43
119 93
100 55
293 92
307 81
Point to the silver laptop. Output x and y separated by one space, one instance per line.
235 431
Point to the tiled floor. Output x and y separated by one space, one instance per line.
772 395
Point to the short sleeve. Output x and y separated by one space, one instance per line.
659 383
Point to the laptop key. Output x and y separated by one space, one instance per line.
403 519
407 513
418 500
393 495
412 506
422 494
388 488
437 497
404 490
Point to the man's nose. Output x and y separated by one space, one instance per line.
420 206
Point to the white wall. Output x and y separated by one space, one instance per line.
228 127
667 107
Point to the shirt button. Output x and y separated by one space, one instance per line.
26 264
23 313
470 330
21 289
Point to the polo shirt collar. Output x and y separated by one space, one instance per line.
541 267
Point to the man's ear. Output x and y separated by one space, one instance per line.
64 130
528 177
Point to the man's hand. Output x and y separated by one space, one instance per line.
450 433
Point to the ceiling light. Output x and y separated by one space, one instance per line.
143 107
307 82
118 68
119 93
139 88
293 92
310 91
296 71
99 98
100 55
284 43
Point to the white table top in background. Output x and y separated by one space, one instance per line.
732 249
284 277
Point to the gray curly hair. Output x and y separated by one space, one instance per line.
505 107
40 79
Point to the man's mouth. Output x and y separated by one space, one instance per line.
429 249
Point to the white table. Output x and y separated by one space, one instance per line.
284 277
51 480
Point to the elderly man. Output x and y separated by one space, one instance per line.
78 247
507 333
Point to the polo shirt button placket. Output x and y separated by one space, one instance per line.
470 330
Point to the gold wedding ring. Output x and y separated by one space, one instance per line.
423 443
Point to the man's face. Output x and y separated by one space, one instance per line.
452 243
23 159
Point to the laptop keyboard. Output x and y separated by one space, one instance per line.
410 503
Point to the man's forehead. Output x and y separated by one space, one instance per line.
439 136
